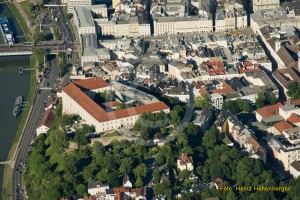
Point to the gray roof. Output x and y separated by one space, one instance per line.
85 17
296 165
89 40
97 184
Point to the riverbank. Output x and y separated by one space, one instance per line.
7 187
8 170
20 20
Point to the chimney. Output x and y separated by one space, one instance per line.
277 45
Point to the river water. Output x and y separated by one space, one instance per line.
11 85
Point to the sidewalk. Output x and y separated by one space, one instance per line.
25 17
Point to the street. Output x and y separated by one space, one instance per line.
29 134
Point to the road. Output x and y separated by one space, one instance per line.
50 46
29 133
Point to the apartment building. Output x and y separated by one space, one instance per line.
265 4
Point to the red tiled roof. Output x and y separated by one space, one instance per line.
91 83
296 102
248 66
220 182
203 91
100 114
226 89
268 111
214 67
280 126
293 118
254 143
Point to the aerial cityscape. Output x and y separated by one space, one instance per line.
150 99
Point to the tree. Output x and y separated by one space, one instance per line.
293 90
70 164
102 175
99 149
81 189
231 196
113 179
140 170
203 102
58 140
232 106
156 175
81 140
86 129
209 139
66 120
126 165
265 99
294 192
260 102
163 188
59 110
38 36
139 182
40 54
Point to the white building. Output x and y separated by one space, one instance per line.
84 17
265 4
75 3
77 99
97 187
124 25
46 122
216 100
181 25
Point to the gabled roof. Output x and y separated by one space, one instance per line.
75 92
286 57
253 141
269 111
48 118
280 126
293 118
97 184
91 83
286 76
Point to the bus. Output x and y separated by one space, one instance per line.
26 44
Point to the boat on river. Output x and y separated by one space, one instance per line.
17 106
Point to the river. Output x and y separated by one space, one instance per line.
11 85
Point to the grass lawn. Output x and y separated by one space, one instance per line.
115 133
56 159
28 8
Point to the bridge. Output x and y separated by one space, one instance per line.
19 49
